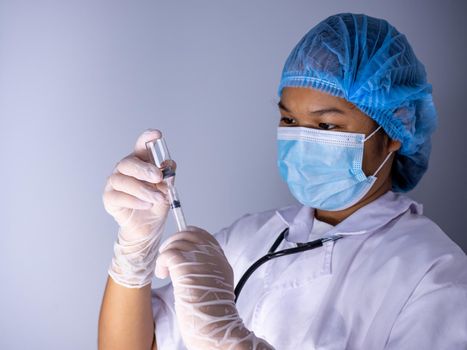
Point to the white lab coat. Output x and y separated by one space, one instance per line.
395 281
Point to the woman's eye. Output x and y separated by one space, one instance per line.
287 120
326 126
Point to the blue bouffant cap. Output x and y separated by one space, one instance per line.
366 61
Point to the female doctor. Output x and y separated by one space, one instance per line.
356 117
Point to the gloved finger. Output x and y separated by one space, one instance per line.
193 234
161 187
184 266
199 252
136 188
141 170
140 147
184 257
182 244
166 260
202 253
114 200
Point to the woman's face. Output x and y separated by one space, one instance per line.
312 108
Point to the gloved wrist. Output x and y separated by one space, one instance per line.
133 262
213 321
251 342
241 338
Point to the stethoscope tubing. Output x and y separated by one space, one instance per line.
273 254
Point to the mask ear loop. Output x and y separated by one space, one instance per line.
387 157
374 132
382 164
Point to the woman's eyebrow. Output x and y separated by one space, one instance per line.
316 112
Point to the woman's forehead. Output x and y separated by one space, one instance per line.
314 103
302 97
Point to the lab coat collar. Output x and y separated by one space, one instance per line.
369 218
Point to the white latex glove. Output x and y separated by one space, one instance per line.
136 197
204 296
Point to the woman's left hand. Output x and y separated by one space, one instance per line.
202 280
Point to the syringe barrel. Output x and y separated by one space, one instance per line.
176 206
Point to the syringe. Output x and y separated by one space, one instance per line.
159 155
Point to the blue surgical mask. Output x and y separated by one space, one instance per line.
323 168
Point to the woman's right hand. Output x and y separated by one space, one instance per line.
135 194
136 197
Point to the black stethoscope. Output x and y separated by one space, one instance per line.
301 247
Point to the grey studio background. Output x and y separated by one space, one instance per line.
80 80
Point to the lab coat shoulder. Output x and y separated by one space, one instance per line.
417 240
404 283
434 270
426 233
